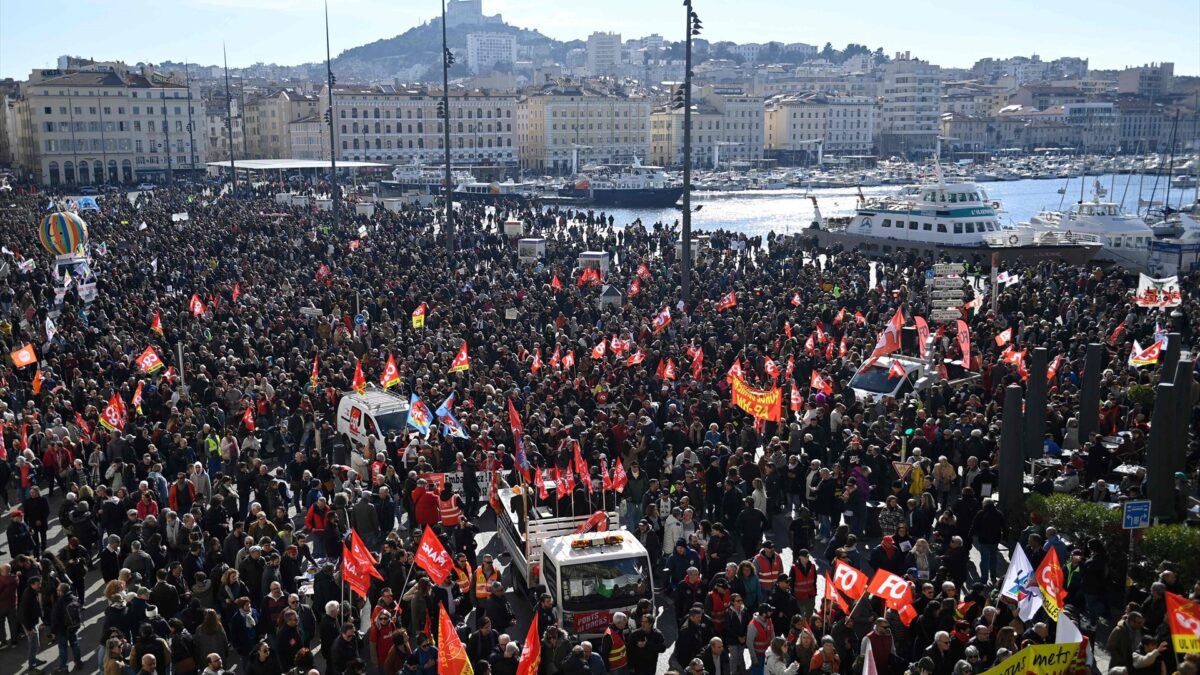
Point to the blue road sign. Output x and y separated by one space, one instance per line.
1136 515
360 319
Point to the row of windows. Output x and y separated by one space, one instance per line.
479 113
387 128
420 145
380 156
959 228
137 110
105 92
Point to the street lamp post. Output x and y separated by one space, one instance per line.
693 28
333 184
447 59
229 119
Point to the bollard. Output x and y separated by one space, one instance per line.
1035 405
1170 358
1183 414
1089 392
1160 483
1012 459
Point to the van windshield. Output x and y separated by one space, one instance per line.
875 380
605 584
392 422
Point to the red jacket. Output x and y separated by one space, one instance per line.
427 510
315 520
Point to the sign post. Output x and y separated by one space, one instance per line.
1135 515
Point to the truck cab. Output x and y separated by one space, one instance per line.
375 412
591 575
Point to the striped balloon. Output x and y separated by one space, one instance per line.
63 233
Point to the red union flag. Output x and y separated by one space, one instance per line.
113 417
433 557
727 301
531 653
1049 577
149 362
643 271
849 580
1184 618
832 594
353 573
362 556
196 305
894 590
620 479
568 360
819 383
599 350
391 373
452 657
555 284
662 319
1004 337
461 361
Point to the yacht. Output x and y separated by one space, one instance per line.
422 179
955 219
1125 236
633 185
471 190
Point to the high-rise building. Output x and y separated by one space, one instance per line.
560 121
485 50
603 53
106 124
909 119
1152 81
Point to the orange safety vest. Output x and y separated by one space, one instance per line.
463 578
450 513
804 586
762 639
617 656
768 571
482 582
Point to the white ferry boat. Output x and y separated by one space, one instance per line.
939 219
1125 237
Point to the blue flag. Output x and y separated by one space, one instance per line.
87 204
450 424
419 417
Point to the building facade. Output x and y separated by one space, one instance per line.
1152 81
486 50
910 93
107 124
385 124
267 120
556 121
603 53
219 120
841 125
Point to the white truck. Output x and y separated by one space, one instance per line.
374 412
876 380
590 575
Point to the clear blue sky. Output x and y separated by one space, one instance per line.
1112 33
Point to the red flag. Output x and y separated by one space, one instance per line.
860 319
248 418
518 432
620 479
461 361
606 481
634 288
619 346
964 343
832 594
1183 617
1052 371
137 398
391 373
359 550
795 402
565 484
1112 339
635 358
531 652
156 324
1049 576
313 379
494 493
643 271
810 345
1004 337
849 580
555 284
196 305
360 382
842 348
841 316
698 365
537 361
353 574
37 382
113 417
735 371
791 367
819 383
568 360
433 557
922 334
669 373
897 369
894 590
149 361
1013 356
787 329
796 300
452 657
829 351
662 319
728 301
555 361
771 368
540 483
599 350
237 291
581 466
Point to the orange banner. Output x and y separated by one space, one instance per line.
763 405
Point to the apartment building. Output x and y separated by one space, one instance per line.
603 53
603 126
910 92
267 120
840 124
219 120
485 50
387 124
106 124
727 125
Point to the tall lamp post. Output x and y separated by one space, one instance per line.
229 121
684 98
444 113
330 119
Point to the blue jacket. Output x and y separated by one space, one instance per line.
678 564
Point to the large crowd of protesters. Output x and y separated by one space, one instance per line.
189 533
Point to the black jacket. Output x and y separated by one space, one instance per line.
29 611
643 660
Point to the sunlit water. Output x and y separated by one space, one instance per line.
788 211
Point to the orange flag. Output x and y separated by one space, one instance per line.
391 374
452 655
531 652
461 361
24 356
37 382
156 324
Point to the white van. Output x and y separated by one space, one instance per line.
375 412
875 380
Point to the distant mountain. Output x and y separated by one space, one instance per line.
421 46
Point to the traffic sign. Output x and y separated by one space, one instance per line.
360 319
947 303
945 315
955 293
946 282
1136 515
902 469
948 268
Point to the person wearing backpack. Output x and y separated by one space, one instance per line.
65 619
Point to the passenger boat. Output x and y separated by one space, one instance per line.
947 220
1125 237
633 185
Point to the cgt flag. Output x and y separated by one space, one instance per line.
433 557
1049 577
531 652
149 361
1184 617
461 361
391 373
452 657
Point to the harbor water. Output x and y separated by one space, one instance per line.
757 212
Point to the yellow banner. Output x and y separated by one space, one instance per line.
764 405
1064 659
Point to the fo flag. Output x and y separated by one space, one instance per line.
849 580
433 557
896 593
